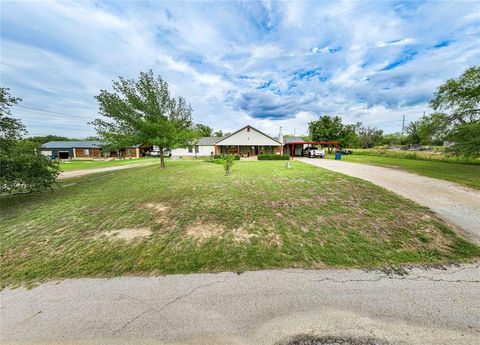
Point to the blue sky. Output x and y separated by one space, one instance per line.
267 64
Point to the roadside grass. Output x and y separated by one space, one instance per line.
464 174
94 164
189 217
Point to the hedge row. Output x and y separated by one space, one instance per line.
273 157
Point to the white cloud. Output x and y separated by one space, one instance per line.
268 64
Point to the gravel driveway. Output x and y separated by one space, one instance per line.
81 172
425 306
456 204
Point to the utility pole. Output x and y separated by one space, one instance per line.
403 124
294 130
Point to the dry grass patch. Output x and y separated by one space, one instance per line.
202 231
128 234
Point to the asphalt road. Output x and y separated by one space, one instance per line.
434 306
456 204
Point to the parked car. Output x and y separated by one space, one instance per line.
313 152
166 153
345 152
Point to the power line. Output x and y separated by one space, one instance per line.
53 112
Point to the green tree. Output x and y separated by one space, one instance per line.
218 134
394 139
227 162
143 111
467 140
369 136
331 128
23 167
460 98
203 130
46 138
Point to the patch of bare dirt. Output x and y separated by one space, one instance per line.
161 210
241 234
128 234
203 231
273 239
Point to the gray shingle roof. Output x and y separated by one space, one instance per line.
292 140
209 141
73 144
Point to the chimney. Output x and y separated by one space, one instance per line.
280 135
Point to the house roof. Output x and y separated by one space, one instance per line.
241 129
292 140
84 144
73 144
209 141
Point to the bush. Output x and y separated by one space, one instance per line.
25 169
273 157
236 157
216 161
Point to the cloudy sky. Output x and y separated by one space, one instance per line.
267 64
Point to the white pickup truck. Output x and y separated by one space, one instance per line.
313 152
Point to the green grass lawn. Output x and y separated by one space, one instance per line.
189 217
93 164
464 174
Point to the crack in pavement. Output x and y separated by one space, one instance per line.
150 309
417 278
27 319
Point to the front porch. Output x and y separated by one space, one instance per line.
247 151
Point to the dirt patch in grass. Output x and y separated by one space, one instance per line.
161 212
128 234
331 340
242 235
202 231
157 206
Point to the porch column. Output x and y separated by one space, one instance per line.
238 150
293 150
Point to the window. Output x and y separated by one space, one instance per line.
190 149
86 152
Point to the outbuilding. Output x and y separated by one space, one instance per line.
88 149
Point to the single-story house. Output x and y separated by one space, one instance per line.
246 142
87 149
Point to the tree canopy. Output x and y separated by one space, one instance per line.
203 130
23 167
143 111
460 98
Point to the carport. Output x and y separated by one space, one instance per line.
292 145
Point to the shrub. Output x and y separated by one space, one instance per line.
236 157
272 157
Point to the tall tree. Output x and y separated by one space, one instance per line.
203 130
218 134
331 128
460 98
467 140
23 167
144 111
369 136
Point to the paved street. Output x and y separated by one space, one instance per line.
433 306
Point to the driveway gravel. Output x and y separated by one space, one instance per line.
81 172
425 306
456 204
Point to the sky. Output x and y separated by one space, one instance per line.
267 64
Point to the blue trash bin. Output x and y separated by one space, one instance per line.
338 156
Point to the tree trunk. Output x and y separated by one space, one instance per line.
162 159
